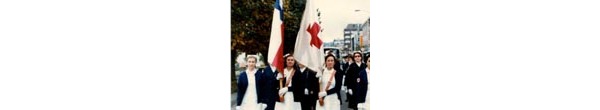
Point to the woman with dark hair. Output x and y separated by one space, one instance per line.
330 82
363 85
286 96
250 91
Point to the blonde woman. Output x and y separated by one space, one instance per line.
249 93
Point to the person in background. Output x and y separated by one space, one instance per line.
250 91
347 64
363 86
351 79
348 60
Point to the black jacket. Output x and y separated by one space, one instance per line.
305 80
352 75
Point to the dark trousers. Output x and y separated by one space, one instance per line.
308 104
270 105
352 102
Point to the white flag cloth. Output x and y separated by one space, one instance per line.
309 47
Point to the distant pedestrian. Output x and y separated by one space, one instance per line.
363 86
351 79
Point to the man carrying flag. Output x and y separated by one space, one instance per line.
275 56
309 53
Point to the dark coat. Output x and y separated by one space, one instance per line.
243 85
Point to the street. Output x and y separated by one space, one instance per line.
344 104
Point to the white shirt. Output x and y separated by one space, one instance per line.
325 79
251 72
250 98
302 69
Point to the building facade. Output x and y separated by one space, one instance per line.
352 37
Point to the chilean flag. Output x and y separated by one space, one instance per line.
276 42
309 47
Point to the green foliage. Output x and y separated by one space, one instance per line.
251 27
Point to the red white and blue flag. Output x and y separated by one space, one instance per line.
275 55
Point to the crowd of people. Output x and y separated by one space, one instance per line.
297 87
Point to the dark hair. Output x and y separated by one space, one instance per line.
357 53
336 63
285 61
331 55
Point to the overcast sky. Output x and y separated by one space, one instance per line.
336 14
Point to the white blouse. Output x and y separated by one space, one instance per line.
250 98
288 76
326 75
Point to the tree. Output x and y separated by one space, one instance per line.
250 22
251 27
293 16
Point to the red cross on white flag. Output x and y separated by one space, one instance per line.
309 47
